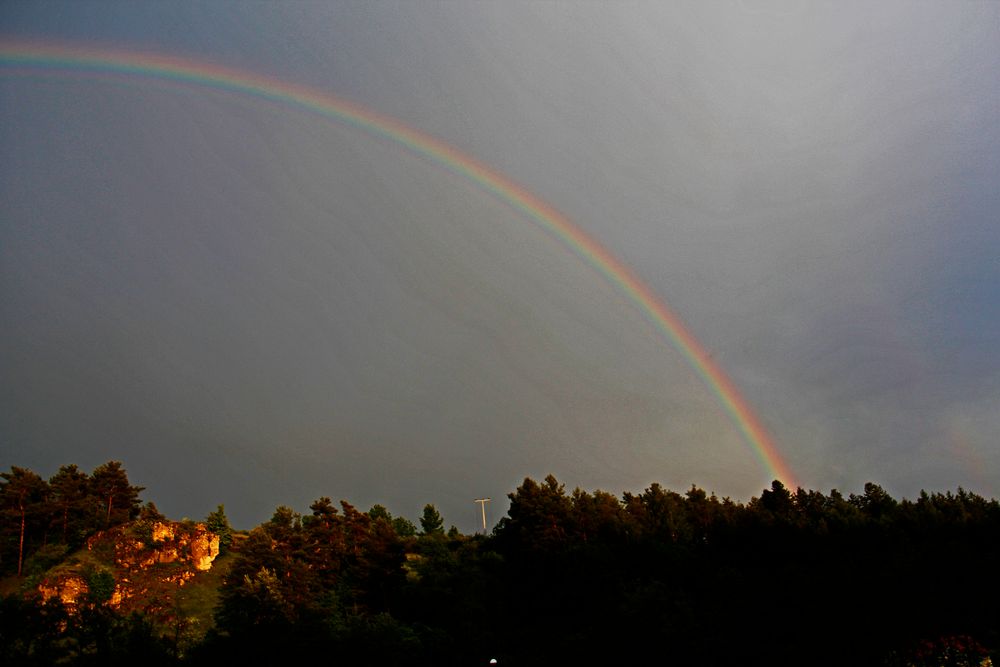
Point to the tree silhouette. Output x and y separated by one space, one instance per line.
431 522
22 492
120 499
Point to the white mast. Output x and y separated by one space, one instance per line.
482 503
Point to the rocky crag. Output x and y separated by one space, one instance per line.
135 566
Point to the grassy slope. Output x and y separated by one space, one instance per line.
185 612
197 598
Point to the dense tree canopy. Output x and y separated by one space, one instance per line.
787 578
64 510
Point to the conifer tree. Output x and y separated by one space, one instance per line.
22 493
218 523
119 499
431 522
69 498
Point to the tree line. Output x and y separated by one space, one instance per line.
63 511
789 577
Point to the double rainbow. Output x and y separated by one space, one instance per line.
37 57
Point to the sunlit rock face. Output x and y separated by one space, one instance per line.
132 554
168 542
69 588
204 548
162 532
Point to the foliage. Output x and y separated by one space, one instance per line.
110 484
37 632
946 651
379 512
31 631
142 528
22 500
403 526
44 558
100 585
218 523
66 510
789 577
149 513
431 522
71 505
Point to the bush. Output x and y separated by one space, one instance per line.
100 584
45 558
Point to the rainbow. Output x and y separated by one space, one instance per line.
34 57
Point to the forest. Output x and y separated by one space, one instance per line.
790 577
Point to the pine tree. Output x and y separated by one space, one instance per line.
431 522
69 500
218 523
22 494
119 499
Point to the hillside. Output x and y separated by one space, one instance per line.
582 577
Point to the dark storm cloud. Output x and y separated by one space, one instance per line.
270 307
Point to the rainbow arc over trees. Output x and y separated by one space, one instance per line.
36 57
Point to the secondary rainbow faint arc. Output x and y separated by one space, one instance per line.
36 56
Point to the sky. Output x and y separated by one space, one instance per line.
252 304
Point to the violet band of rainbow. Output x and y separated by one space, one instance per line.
39 57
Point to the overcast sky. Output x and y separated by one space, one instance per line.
252 305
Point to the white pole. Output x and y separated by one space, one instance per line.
482 503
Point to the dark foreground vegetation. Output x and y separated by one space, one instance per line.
789 578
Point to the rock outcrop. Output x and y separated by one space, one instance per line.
133 555
168 542
69 587
204 548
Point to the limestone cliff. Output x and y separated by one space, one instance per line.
68 587
134 561
168 542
